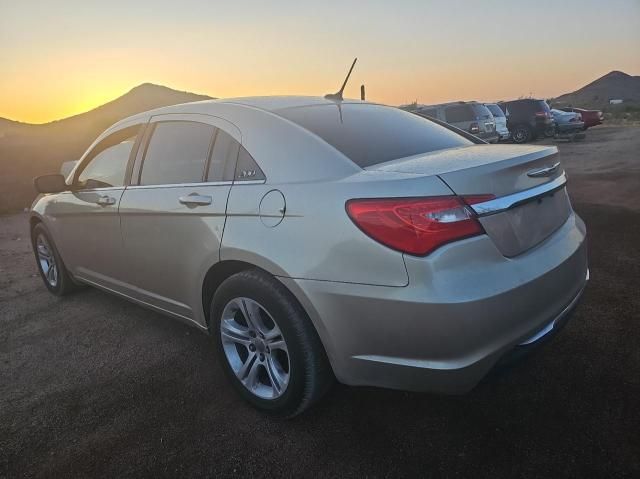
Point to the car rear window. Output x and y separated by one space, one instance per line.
542 105
481 111
372 134
495 110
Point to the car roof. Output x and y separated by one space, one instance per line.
275 103
271 104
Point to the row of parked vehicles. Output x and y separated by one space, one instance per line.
520 120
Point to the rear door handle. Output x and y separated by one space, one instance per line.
195 199
106 201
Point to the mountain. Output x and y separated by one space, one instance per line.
613 85
28 150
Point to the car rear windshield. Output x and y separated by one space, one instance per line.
481 111
372 134
495 110
542 105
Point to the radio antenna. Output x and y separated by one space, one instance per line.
338 96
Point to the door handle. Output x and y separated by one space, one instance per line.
195 199
106 200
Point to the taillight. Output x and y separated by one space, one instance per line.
541 114
474 128
416 226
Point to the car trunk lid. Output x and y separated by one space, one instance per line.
527 182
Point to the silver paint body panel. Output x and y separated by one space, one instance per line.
387 319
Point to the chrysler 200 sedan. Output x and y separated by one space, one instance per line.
317 239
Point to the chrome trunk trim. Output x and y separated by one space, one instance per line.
505 202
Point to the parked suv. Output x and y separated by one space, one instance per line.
527 118
468 116
501 120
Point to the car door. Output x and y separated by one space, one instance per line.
85 219
173 213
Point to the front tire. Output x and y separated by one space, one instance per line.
52 270
267 345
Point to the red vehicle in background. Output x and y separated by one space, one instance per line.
589 117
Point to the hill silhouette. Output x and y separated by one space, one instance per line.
613 85
28 150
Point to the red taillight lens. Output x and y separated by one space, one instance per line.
416 225
541 113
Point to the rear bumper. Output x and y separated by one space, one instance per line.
504 133
543 336
491 137
466 307
572 127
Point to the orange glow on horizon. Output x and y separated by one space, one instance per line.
72 59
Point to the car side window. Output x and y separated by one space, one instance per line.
107 162
223 157
458 113
247 169
432 113
177 153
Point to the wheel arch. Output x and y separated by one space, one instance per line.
222 270
34 219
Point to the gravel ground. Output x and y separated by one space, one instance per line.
93 386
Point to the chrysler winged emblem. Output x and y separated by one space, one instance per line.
544 171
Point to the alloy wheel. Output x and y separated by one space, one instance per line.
255 348
47 261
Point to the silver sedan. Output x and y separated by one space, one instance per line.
317 239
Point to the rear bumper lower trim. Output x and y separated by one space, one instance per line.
557 321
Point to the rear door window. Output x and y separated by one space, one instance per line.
459 113
223 157
177 153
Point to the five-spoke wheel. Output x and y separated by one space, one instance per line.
267 344
255 348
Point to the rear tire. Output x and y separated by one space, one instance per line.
521 134
267 345
52 270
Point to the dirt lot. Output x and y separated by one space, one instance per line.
95 386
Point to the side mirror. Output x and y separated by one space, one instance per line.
50 184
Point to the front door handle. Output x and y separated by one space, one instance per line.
194 199
106 201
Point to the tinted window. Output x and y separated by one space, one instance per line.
459 113
223 157
177 153
372 134
429 112
495 110
481 111
247 168
108 160
526 106
541 105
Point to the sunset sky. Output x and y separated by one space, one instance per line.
59 58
